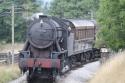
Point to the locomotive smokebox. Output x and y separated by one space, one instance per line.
41 33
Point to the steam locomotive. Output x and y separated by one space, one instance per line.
54 45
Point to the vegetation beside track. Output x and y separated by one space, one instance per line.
113 71
8 73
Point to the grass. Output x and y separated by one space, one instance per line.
8 73
111 72
5 48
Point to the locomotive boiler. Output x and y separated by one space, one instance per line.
54 45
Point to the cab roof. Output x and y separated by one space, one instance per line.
82 23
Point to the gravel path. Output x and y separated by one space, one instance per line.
81 75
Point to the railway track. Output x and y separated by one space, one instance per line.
23 79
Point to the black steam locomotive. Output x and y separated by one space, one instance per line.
54 45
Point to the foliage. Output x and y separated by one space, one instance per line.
8 73
25 8
113 71
73 8
111 15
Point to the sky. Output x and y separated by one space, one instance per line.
47 0
44 1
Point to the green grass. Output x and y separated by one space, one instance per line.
8 73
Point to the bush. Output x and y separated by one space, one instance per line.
8 73
112 72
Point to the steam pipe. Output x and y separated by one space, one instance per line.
58 46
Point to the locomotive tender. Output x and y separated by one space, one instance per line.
54 45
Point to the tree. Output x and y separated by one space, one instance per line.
111 17
73 8
25 8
